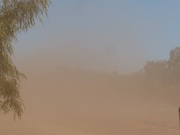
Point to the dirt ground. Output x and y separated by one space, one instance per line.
80 103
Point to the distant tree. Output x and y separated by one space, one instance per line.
168 70
15 16
156 68
174 64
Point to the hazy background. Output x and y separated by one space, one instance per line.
102 35
64 95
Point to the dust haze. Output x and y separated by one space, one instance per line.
67 99
90 84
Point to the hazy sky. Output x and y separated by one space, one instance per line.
103 34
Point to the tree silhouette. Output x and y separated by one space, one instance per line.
15 16
174 64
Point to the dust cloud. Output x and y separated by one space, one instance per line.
77 84
76 101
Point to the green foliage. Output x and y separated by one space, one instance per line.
174 64
167 70
155 67
174 60
15 16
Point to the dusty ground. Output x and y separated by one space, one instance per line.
78 103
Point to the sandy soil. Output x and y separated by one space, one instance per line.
77 103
